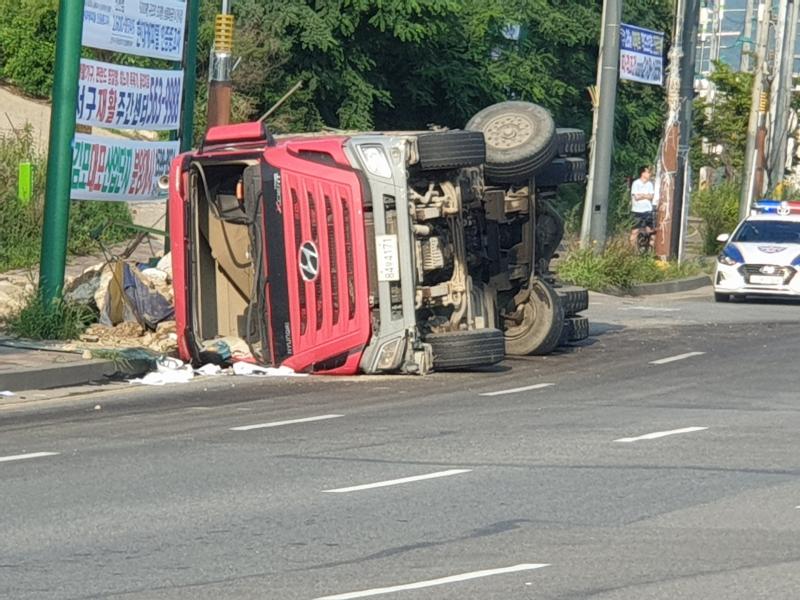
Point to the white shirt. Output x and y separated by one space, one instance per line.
642 187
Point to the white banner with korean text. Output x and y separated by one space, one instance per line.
128 98
113 169
153 28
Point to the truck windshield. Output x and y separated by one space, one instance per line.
776 232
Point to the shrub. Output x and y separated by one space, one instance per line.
619 267
719 208
59 320
27 44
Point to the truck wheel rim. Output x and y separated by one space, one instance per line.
508 131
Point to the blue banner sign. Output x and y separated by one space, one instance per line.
641 55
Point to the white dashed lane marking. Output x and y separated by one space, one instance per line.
538 386
27 456
660 434
434 582
670 359
281 423
380 484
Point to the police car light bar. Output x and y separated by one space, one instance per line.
775 207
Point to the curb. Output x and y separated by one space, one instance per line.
662 287
66 375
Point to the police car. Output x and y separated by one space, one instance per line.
762 257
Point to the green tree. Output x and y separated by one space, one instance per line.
721 121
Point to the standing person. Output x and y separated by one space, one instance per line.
642 207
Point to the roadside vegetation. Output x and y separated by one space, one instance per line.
59 320
719 208
21 221
619 268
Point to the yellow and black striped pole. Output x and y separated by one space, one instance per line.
220 85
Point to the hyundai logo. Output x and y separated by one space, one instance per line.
308 260
769 270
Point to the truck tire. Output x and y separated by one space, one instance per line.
520 140
457 350
570 142
445 150
576 329
562 170
540 321
574 299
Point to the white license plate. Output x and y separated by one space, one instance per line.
387 257
766 279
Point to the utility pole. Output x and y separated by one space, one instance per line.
756 132
220 86
691 19
782 86
668 166
603 142
59 158
586 221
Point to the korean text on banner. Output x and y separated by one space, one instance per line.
152 28
641 55
128 98
112 169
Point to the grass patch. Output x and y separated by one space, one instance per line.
59 320
619 267
21 224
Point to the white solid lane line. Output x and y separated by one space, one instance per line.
26 456
538 386
280 423
660 434
669 359
433 582
380 484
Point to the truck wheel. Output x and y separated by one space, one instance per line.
570 142
456 350
445 150
576 329
520 140
562 170
535 327
721 297
574 299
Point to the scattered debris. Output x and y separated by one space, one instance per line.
209 370
168 370
249 369
6 394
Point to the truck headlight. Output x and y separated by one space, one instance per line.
375 160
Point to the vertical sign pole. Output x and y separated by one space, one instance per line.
190 74
59 160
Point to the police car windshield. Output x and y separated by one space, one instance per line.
777 232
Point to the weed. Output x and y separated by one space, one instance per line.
58 320
619 267
719 208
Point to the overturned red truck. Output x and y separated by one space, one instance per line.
394 252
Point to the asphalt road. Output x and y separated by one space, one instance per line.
537 479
